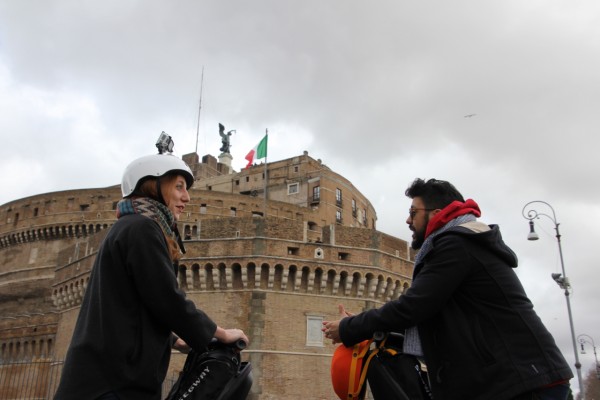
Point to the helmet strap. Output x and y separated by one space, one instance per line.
178 237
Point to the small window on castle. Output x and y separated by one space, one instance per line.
338 216
202 208
316 194
247 179
343 256
84 207
293 251
232 212
295 168
36 212
293 188
257 214
237 182
314 335
319 253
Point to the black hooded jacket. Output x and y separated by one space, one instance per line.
122 340
480 335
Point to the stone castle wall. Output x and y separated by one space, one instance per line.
275 276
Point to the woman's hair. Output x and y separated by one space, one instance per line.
149 188
434 193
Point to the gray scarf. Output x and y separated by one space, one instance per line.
412 342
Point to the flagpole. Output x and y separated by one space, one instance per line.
199 109
266 178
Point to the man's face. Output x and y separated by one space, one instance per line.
417 221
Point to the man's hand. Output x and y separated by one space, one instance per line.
332 328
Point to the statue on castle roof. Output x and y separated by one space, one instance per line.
225 144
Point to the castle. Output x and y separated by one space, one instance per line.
272 249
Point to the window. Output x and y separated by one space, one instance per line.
202 208
354 208
293 188
343 256
314 335
338 197
232 211
319 253
293 251
295 168
316 195
338 216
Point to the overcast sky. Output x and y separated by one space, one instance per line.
379 90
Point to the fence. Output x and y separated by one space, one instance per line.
31 380
38 380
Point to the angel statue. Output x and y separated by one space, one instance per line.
225 138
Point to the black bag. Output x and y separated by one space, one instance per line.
394 375
215 374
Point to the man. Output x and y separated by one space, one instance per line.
466 313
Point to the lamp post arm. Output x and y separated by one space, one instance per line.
531 213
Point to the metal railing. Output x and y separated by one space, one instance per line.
29 379
38 380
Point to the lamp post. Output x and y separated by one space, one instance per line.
560 279
582 339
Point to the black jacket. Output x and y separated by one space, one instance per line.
480 334
122 340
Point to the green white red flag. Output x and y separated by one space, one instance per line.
259 151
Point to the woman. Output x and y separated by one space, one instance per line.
133 312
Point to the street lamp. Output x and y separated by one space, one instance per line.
582 340
560 279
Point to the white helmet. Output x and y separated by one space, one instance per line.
156 166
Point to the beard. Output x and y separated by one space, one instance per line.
418 240
419 236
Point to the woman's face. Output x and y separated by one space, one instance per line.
176 195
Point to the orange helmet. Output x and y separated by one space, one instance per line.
346 370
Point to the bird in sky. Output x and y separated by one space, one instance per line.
470 115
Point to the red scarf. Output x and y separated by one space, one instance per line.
451 211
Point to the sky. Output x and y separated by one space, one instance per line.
500 98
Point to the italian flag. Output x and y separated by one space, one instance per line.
259 151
